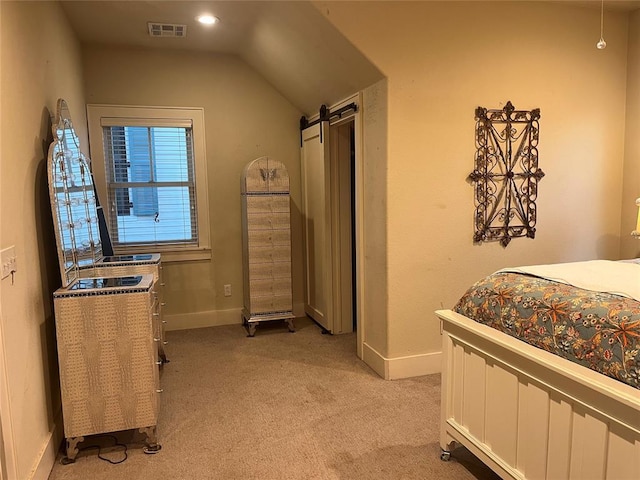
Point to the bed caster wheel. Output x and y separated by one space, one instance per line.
445 456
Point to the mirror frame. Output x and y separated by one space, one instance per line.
73 199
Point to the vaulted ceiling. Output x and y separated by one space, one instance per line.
289 43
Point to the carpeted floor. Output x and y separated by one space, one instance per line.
281 406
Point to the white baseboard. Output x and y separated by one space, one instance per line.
47 457
213 318
402 367
376 361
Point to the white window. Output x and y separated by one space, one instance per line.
149 167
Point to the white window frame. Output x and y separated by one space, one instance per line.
98 114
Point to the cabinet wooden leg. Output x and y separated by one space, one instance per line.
72 449
251 328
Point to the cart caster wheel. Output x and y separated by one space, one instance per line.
445 456
152 449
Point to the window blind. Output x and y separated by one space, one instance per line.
150 183
145 122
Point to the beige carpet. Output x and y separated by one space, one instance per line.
281 406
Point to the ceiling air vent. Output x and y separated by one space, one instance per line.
167 30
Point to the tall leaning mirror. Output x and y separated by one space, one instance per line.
73 200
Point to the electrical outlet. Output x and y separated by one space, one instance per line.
8 261
227 290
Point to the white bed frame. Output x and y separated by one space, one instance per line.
529 414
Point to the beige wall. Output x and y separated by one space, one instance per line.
40 61
629 246
442 59
245 118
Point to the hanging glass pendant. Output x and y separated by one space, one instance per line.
601 43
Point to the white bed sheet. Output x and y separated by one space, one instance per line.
618 278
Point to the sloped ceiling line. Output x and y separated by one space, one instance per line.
291 44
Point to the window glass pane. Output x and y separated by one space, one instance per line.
139 153
173 221
119 168
171 154
151 185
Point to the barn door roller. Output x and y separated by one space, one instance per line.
325 115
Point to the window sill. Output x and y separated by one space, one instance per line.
170 256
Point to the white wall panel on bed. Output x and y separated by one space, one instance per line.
474 394
533 431
502 412
457 380
588 445
623 460
560 421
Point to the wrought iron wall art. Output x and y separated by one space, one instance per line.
506 174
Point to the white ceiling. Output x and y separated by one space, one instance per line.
289 43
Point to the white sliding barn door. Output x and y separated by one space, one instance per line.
316 214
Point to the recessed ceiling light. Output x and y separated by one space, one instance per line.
207 19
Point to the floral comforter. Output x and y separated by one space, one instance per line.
598 330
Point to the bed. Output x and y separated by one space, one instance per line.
567 404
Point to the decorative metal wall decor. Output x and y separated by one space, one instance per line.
506 173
